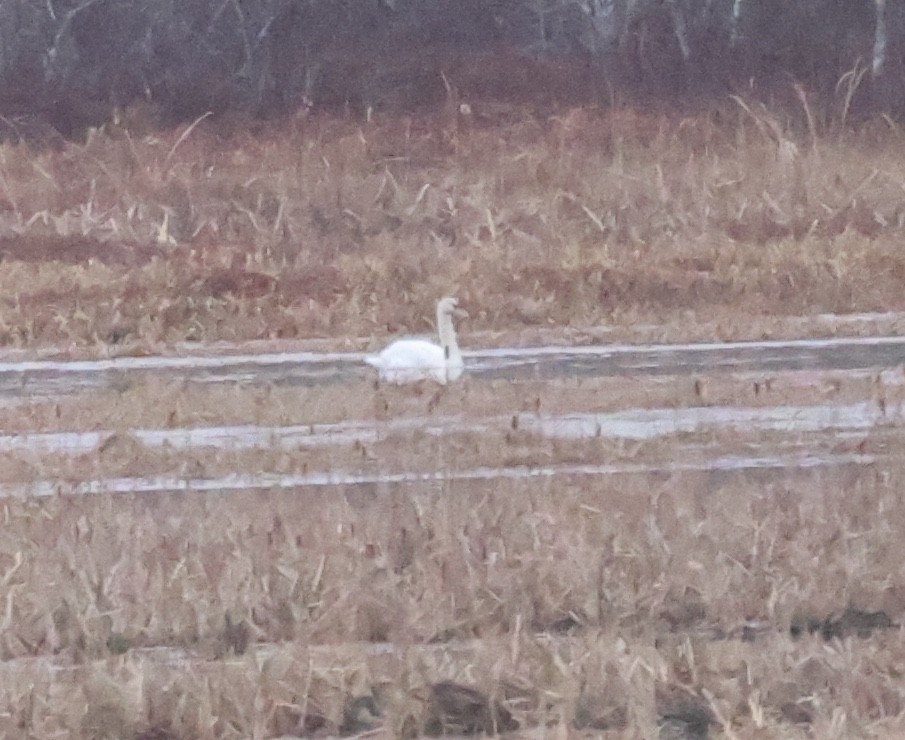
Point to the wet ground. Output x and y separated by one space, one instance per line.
49 378
592 429
816 426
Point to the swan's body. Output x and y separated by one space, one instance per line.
414 360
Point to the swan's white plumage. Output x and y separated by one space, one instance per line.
414 360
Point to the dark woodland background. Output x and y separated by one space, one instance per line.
71 63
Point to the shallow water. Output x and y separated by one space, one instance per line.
763 438
47 378
631 424
345 479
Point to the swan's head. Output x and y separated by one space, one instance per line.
449 306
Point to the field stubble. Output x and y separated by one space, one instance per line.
607 591
630 603
740 603
318 227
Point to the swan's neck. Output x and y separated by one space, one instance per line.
448 337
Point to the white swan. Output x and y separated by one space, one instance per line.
414 360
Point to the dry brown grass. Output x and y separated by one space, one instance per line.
758 604
603 605
659 575
614 604
341 228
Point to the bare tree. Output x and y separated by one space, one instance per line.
879 55
75 59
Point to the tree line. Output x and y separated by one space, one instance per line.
74 61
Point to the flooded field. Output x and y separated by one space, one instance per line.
589 410
664 501
597 520
51 378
